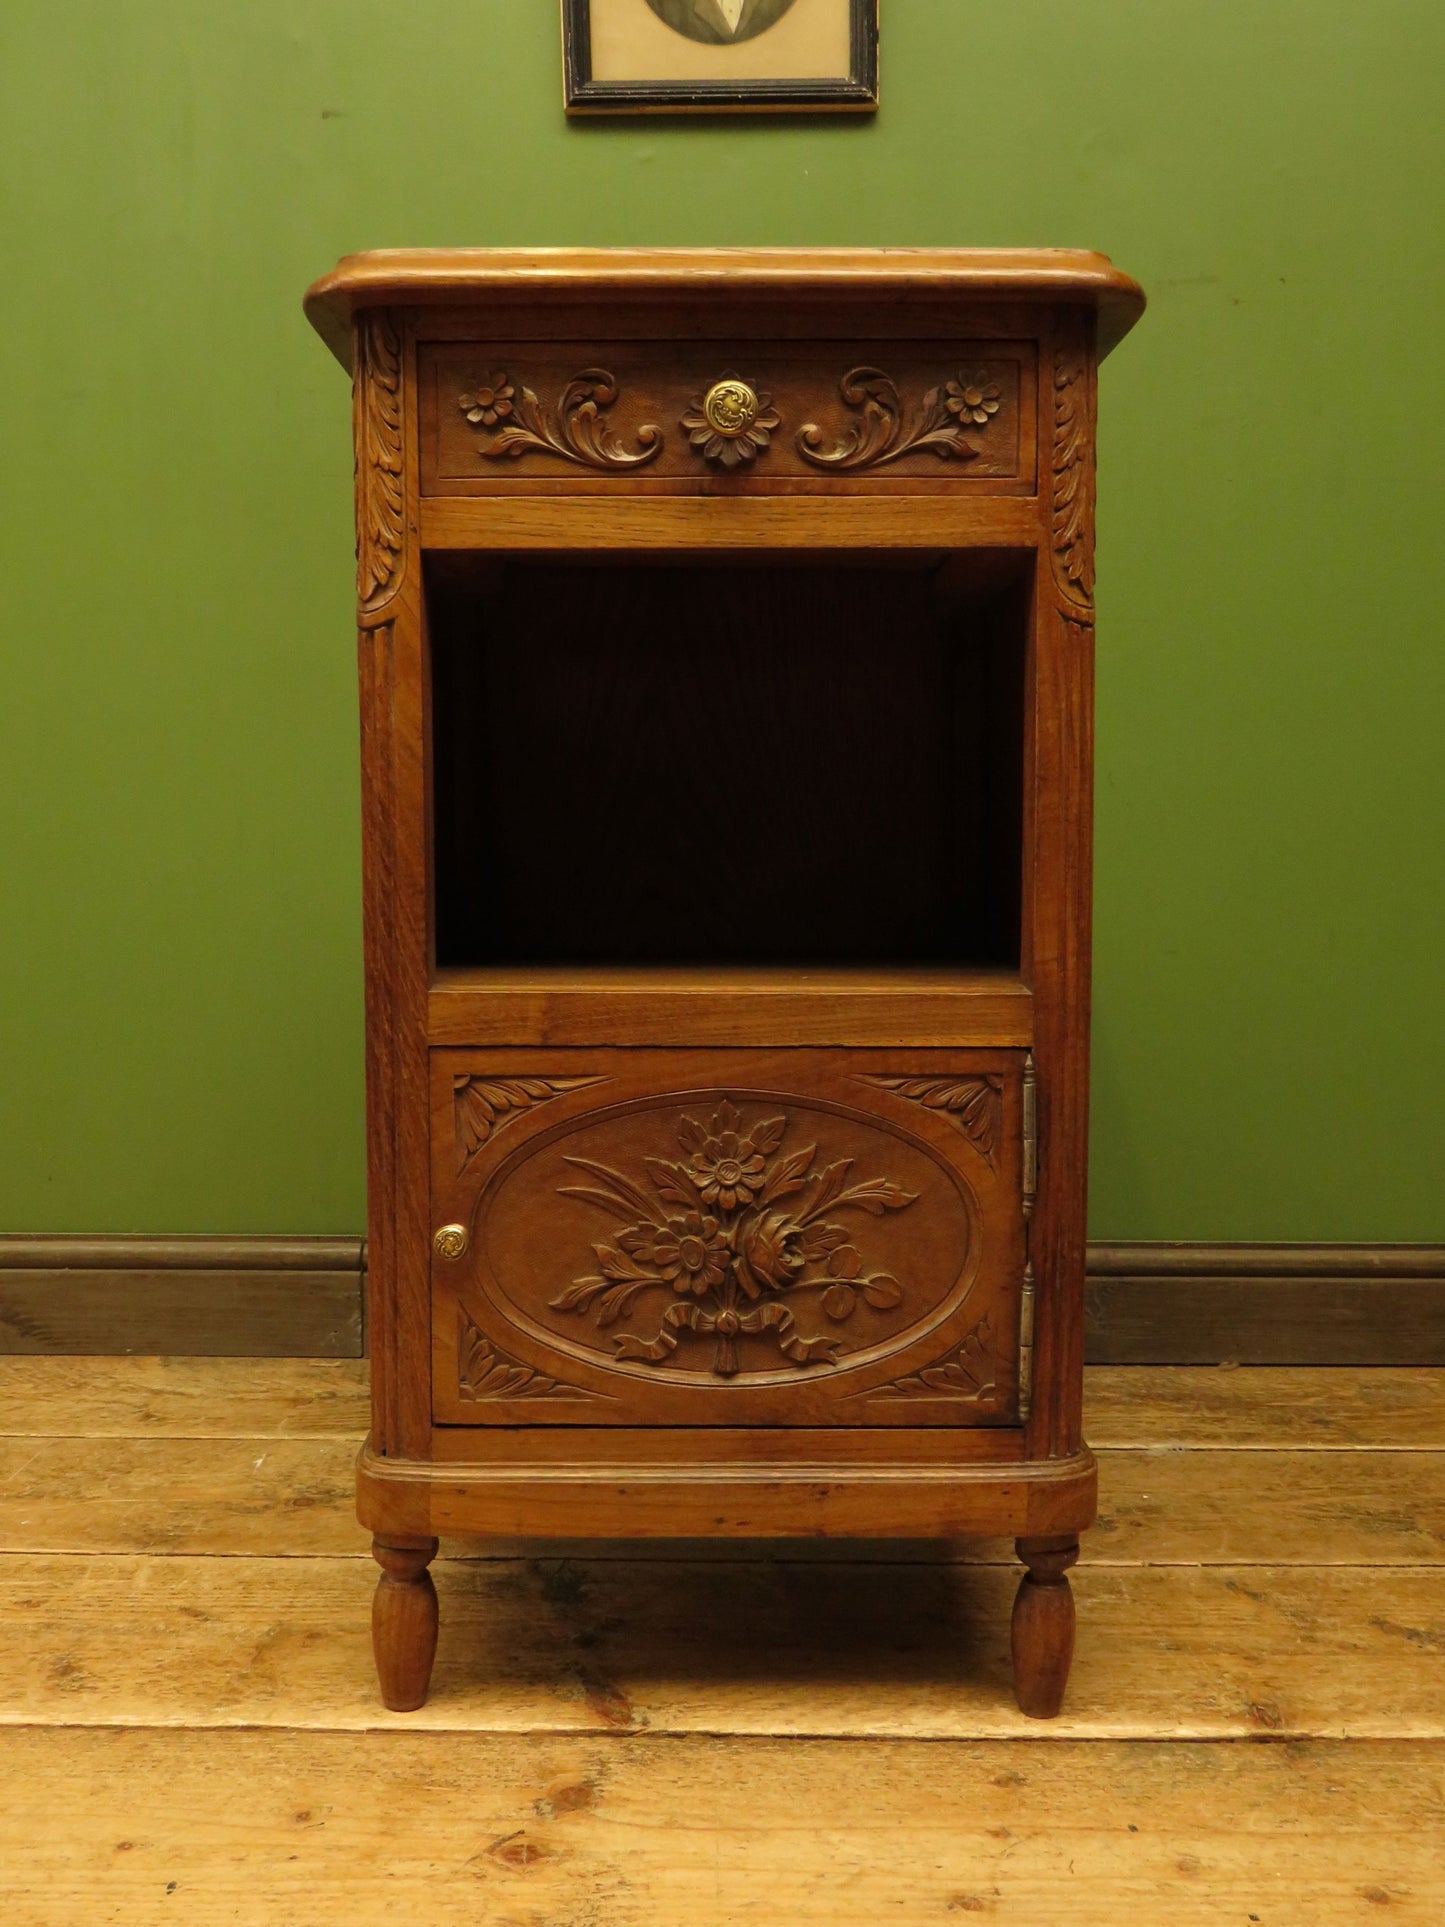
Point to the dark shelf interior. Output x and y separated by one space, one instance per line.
722 762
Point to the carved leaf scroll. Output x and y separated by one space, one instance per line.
483 1105
1073 475
733 1238
970 1373
578 433
380 490
947 425
485 1372
974 1104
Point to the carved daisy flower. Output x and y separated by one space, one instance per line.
490 404
691 1252
728 1169
973 399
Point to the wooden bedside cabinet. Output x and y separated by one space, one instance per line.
726 652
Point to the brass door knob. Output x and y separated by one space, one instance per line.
450 1242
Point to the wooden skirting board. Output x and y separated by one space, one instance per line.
198 1297
1148 1304
1211 1304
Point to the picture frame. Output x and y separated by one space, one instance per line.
720 56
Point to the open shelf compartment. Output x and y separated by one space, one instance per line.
799 774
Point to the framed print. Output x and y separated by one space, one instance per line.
720 56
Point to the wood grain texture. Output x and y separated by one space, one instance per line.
814 278
404 1621
824 1734
512 815
776 1242
1294 1305
1324 1408
398 1830
223 1297
395 696
699 524
1187 1304
295 1498
744 1646
799 1006
183 1397
502 417
883 1485
1328 1408
1041 1636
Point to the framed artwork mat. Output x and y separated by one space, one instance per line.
720 56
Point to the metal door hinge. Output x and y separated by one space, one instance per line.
1031 1136
1026 1343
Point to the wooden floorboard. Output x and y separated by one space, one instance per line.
795 1735
142 1397
467 1830
294 1497
1329 1408
755 1646
1326 1407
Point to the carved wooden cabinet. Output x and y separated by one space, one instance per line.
726 638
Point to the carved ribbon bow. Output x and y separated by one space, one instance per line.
725 1326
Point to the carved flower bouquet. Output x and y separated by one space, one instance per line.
727 1241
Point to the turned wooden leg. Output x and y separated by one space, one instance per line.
1043 1625
404 1621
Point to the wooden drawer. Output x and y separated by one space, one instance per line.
730 1238
903 416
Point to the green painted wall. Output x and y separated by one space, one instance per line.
181 1001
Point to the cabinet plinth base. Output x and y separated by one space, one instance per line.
881 1498
1043 1504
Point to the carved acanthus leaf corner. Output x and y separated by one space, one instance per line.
484 1104
974 1104
1073 472
486 1372
380 479
969 1372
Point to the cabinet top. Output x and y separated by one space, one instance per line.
411 277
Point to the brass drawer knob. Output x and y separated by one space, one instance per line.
732 423
730 406
450 1242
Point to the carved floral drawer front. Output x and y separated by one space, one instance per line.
906 416
726 1238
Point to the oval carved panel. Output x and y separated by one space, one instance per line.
727 1237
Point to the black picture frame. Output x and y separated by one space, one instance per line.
856 93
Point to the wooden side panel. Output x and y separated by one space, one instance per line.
910 416
781 1238
1059 867
395 840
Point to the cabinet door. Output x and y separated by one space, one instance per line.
710 1237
